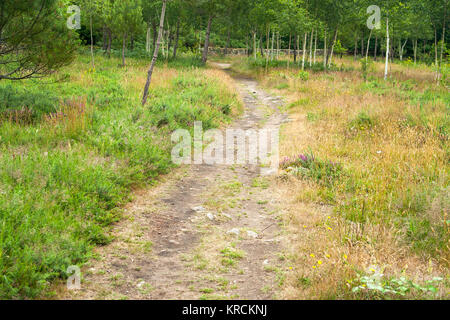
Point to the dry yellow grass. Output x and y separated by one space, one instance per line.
386 163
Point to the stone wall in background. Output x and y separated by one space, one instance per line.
243 51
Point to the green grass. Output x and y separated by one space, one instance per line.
230 256
63 177
390 142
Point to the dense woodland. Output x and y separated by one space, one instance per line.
413 29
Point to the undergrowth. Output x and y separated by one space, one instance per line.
73 146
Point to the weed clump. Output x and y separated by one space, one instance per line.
307 165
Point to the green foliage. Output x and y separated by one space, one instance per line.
445 74
34 38
230 256
303 75
16 103
60 188
127 17
282 86
367 68
339 49
323 172
375 285
363 121
261 63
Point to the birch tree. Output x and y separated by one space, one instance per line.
155 53
128 19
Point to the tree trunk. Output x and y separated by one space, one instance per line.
368 44
227 45
278 45
435 47
304 50
295 48
155 34
155 54
254 44
325 51
109 42
163 43
311 47
208 33
169 42
315 47
267 46
123 48
435 53
356 48
443 40
105 40
402 48
177 38
387 50
147 40
392 46
375 50
92 44
332 47
415 50
261 46
273 39
289 51
247 51
362 46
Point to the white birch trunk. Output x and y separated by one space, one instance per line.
254 44
415 51
289 51
273 39
332 47
402 49
315 48
387 50
325 51
311 47
304 51
278 45
155 53
368 44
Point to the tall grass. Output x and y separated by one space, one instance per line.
390 206
68 166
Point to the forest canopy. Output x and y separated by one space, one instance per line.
34 38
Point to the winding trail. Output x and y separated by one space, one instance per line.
204 232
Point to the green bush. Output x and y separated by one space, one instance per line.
14 101
307 165
362 121
367 67
303 75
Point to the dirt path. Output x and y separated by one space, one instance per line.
205 232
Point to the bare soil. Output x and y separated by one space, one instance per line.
204 232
